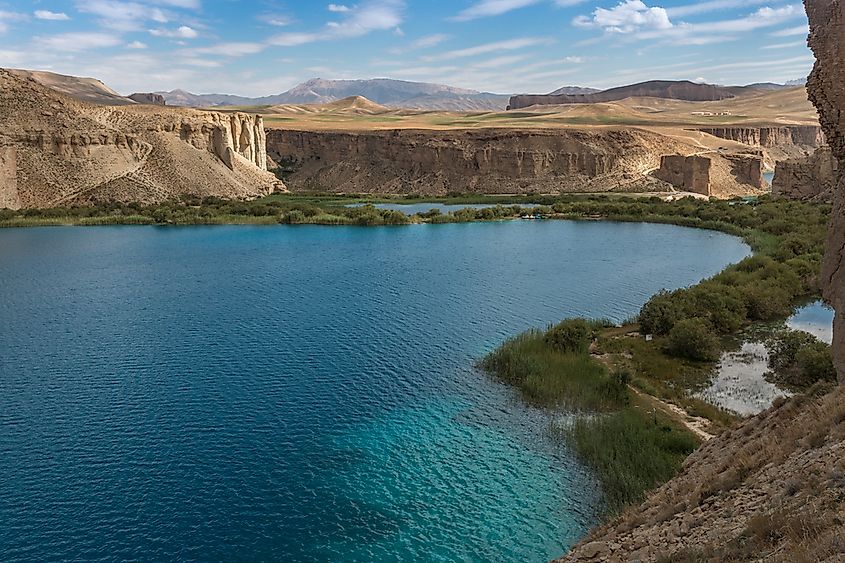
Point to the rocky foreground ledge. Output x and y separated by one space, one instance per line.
772 489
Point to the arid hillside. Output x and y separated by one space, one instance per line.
56 150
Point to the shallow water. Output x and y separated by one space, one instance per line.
815 318
301 393
739 384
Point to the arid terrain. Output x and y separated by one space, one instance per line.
57 151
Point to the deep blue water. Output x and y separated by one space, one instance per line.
300 393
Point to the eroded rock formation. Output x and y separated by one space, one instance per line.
55 150
826 87
148 98
812 177
483 160
686 173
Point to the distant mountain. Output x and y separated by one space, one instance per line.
797 82
385 91
572 91
668 89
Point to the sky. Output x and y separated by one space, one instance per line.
264 47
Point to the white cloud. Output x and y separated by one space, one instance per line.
337 8
797 30
429 41
629 16
294 39
122 16
506 45
181 32
710 6
53 16
277 20
487 8
785 45
232 49
9 16
136 45
79 41
359 20
497 62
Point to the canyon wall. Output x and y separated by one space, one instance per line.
480 160
55 150
686 173
826 88
807 178
810 136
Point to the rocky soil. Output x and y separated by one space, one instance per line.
56 150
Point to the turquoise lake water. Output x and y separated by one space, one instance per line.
301 393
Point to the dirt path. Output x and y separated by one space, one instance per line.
694 424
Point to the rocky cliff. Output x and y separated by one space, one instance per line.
148 98
809 136
811 177
55 150
826 87
482 160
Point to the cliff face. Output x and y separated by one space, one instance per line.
812 177
826 87
55 150
810 136
148 98
674 90
480 160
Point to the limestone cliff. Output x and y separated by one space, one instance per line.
826 87
807 178
55 150
484 160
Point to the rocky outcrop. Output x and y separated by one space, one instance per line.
698 173
56 150
686 173
807 178
480 160
810 136
668 89
826 91
148 98
772 489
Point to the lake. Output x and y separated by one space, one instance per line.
301 392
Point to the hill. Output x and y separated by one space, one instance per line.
394 93
87 89
56 150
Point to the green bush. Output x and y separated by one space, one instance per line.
799 359
693 339
571 335
660 313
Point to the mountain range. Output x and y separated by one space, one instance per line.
385 91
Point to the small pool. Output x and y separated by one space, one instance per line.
815 318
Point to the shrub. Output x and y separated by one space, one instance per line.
660 313
571 335
800 360
693 339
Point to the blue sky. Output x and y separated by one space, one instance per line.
264 47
